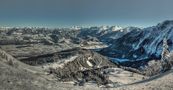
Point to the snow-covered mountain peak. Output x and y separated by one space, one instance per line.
104 27
115 28
110 28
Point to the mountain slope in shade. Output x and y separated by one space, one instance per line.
141 44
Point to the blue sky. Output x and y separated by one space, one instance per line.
67 13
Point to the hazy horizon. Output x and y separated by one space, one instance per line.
68 13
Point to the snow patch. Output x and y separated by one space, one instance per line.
89 63
60 64
118 59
